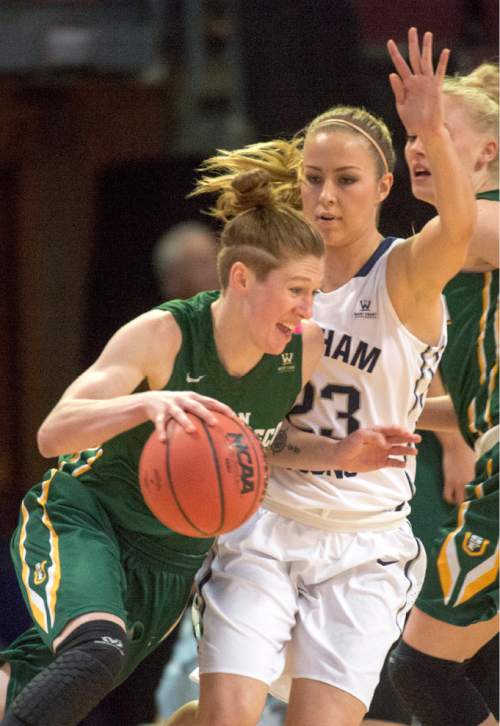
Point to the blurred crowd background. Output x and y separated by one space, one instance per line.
107 107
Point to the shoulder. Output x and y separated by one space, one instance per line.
192 307
312 334
142 348
159 338
153 333
313 344
163 328
151 324
401 258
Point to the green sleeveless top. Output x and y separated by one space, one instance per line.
470 362
262 398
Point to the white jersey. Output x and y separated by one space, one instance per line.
373 372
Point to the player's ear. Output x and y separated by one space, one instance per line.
489 151
240 276
384 186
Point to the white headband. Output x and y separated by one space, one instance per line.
341 121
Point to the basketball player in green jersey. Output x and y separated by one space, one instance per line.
455 614
104 580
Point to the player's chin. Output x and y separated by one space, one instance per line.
275 349
422 190
280 339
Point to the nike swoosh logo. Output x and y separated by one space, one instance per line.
191 379
387 562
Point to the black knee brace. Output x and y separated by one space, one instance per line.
482 671
85 669
437 691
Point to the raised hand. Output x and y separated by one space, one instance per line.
417 87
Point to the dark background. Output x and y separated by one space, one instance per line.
106 110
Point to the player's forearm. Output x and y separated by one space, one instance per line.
79 423
297 449
454 196
451 440
438 415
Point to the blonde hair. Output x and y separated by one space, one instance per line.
261 227
281 160
357 120
477 92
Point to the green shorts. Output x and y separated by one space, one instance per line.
69 560
461 582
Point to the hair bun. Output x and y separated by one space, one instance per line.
253 189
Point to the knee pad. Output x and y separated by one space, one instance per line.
482 671
86 666
437 691
102 640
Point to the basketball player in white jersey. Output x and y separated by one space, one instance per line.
306 598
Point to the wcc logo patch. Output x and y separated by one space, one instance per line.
365 309
287 364
474 545
40 574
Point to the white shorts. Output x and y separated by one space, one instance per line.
280 600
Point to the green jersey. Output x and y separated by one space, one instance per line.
469 365
262 398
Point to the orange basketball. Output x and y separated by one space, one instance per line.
204 483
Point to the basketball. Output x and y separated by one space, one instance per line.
204 483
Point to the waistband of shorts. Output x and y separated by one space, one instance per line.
332 521
486 441
157 551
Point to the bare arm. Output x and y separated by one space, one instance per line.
419 269
457 457
363 450
458 465
438 415
100 404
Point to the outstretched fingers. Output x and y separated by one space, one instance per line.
398 435
397 88
426 64
442 64
416 58
420 60
399 62
407 450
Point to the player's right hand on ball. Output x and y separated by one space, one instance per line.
163 406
